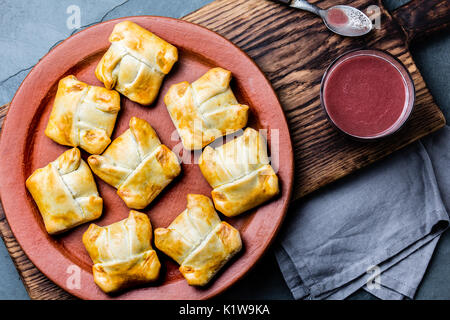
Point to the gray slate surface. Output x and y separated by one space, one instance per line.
28 29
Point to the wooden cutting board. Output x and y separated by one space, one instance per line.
293 49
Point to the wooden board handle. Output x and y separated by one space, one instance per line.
3 112
419 18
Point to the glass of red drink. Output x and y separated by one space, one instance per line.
367 94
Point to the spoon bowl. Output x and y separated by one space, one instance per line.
346 21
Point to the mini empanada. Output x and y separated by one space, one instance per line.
199 241
122 253
206 109
83 115
240 173
137 165
65 192
136 62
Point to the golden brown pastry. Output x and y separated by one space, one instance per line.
136 62
136 164
65 192
206 109
122 253
83 115
199 241
240 173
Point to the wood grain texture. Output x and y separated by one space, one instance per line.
293 49
3 111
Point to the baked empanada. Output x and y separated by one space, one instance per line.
240 173
136 164
136 62
206 109
198 240
65 192
83 115
122 253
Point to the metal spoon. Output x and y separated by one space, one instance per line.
344 20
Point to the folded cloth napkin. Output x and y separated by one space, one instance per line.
375 229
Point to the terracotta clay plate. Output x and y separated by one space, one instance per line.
24 148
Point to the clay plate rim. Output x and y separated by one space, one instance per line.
13 149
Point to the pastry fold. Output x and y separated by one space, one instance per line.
136 164
136 62
206 109
199 241
83 115
122 253
65 192
240 173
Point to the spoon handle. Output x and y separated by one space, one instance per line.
305 5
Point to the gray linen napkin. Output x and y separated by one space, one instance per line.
376 229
